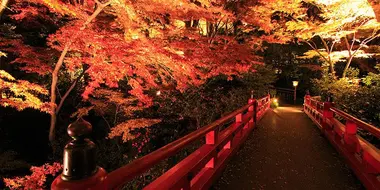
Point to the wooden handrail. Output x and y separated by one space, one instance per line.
367 127
362 157
205 163
139 166
285 89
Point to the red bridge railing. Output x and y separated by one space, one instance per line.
361 155
196 171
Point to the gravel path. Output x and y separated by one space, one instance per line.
286 151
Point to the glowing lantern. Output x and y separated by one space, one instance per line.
295 83
275 103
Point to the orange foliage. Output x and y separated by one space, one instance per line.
142 41
135 40
20 94
36 180
122 49
124 129
31 59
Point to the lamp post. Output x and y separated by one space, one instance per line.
295 84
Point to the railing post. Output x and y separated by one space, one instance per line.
239 119
306 100
350 138
327 115
79 164
253 108
212 139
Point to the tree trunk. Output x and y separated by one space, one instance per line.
350 55
329 49
349 60
332 70
53 96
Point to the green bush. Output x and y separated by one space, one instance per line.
358 99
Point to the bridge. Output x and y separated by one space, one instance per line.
316 146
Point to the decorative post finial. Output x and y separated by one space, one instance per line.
79 154
330 98
79 164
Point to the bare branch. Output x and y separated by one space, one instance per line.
332 46
68 91
59 94
353 41
325 44
315 49
348 45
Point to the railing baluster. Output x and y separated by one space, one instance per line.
212 139
371 162
350 138
327 116
227 145
253 108
211 163
306 101
239 119
187 185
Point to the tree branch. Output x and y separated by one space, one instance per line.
332 46
325 45
58 66
68 91
329 56
315 49
353 41
348 45
59 94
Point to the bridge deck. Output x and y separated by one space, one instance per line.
286 151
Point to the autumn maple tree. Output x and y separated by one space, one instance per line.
160 44
119 54
351 24
147 43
